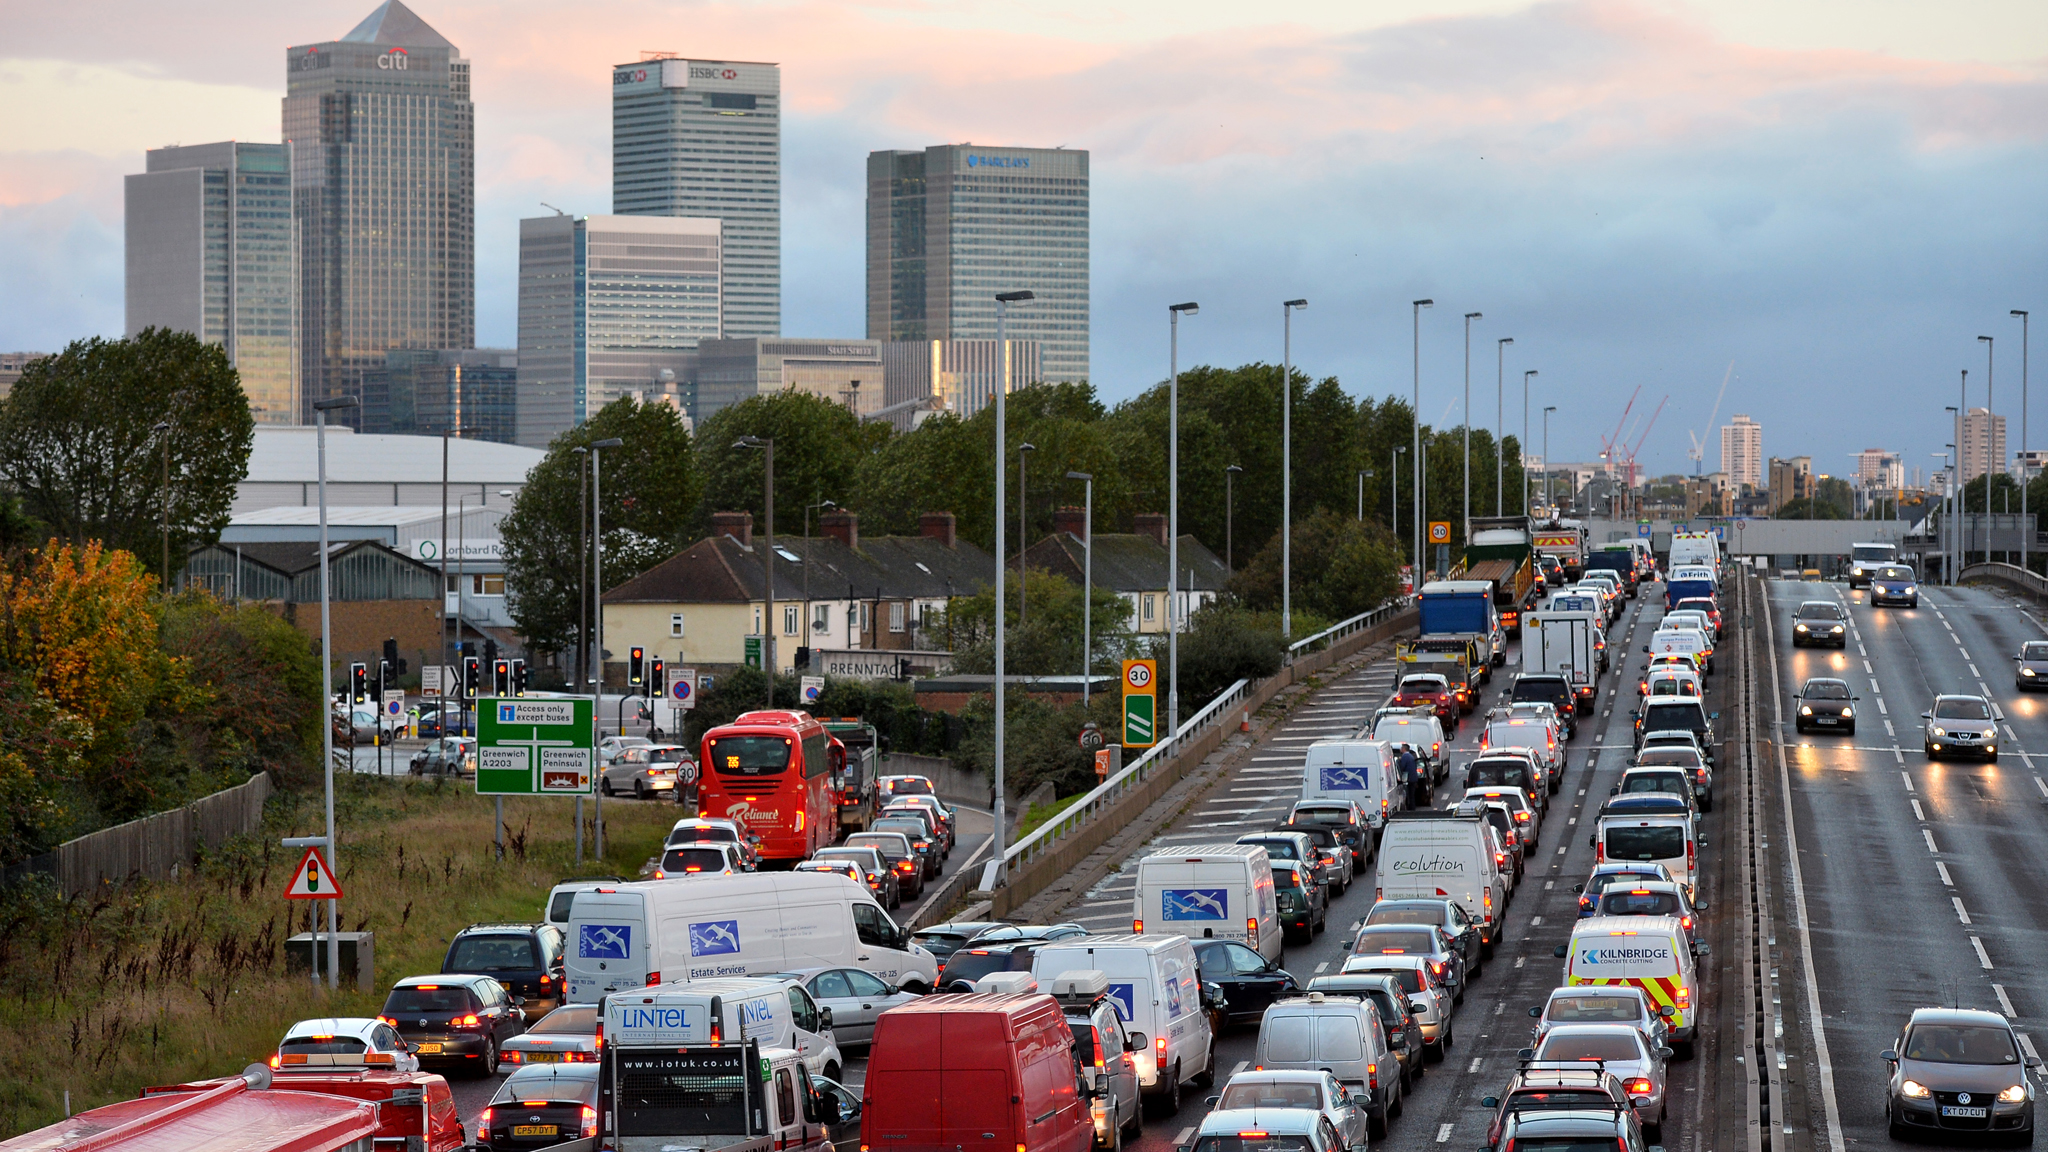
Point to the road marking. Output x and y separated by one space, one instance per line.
2042 786
1322 968
1888 730
1474 1066
1549 884
1960 914
1884 711
1234 1071
2010 734
1909 781
1573 820
1974 672
2004 1002
1560 849
1443 1133
1929 837
1868 669
1521 960
1917 813
1181 1140
1983 958
1582 791
1943 869
1535 921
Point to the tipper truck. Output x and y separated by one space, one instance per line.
1463 610
1500 552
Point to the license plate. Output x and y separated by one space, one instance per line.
1964 1113
542 1057
430 1049
1828 720
534 1129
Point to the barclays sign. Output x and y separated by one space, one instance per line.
998 161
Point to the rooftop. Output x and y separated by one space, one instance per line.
286 453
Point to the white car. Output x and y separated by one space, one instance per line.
608 749
568 1035
701 858
855 998
343 1042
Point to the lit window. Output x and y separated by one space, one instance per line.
487 584
675 624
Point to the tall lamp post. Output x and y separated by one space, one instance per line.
994 873
1024 451
1962 411
320 410
1526 374
163 430
2026 525
1990 385
1466 524
597 448
1500 453
1173 314
1421 503
1394 482
582 598
1087 576
767 446
1546 454
1362 474
1229 517
1287 308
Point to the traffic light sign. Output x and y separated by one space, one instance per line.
657 677
383 684
519 677
469 677
358 684
391 651
501 677
636 667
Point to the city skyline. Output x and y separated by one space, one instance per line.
1252 160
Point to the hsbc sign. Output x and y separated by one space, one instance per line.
713 72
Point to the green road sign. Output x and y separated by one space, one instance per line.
753 652
534 746
1138 721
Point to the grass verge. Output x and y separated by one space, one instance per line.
159 982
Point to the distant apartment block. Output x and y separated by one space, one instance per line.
1742 452
1983 443
11 366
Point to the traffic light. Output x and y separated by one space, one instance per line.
391 656
519 677
657 677
383 684
490 651
636 667
501 677
359 683
469 677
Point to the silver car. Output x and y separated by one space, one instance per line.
1313 1090
1429 999
1960 726
568 1035
647 769
854 997
1602 1004
2030 666
1624 1051
1958 1070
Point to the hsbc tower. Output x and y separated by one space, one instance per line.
703 138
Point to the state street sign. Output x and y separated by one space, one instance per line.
534 746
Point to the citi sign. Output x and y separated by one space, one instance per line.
393 61
998 161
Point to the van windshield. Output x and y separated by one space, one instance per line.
750 755
1504 772
1653 843
1669 717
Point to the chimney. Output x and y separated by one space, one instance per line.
1073 521
842 526
738 525
937 526
1151 524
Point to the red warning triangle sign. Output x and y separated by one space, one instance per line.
313 881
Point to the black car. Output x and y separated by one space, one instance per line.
842 1106
1820 622
540 1106
1447 915
1249 981
1304 905
973 962
458 1021
1404 1035
525 960
1002 933
1825 705
942 940
1548 688
921 838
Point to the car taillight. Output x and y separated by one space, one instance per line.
387 1020
1251 928
1137 927
469 1021
1684 996
653 978
600 1036
1685 922
1372 1076
483 1120
1159 1047
276 1060
1500 858
589 1121
904 866
509 1057
1639 1085
1488 904
1688 855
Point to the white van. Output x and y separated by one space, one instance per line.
1361 771
1670 839
1646 952
640 934
1436 854
1419 729
1683 642
778 1013
1210 892
1155 981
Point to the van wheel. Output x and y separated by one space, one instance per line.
1376 1123
916 988
1207 1077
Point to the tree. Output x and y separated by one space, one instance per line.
650 490
1224 643
818 446
1050 643
77 441
1341 567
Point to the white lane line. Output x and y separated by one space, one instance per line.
1560 849
1535 921
2042 786
1322 968
1909 781
1443 1133
1521 960
1960 914
1929 837
1868 669
1973 672
1983 958
1888 730
1549 884
1181 1140
1883 711
1573 820
1943 869
1917 813
2004 1002
2009 733
1234 1071
2027 1042
1276 759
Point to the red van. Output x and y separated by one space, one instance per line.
975 1073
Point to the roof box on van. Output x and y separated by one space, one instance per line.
1009 984
1082 985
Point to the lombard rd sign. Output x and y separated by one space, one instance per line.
534 746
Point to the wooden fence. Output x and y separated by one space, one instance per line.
152 846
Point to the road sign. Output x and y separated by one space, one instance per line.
812 688
752 648
313 881
1138 726
395 706
1439 531
1643 528
1139 676
531 746
682 688
1091 737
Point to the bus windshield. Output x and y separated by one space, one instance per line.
750 755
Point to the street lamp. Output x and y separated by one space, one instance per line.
597 448
1087 576
1173 313
1990 385
1361 494
1003 301
163 428
1546 454
1500 453
1287 308
448 429
1466 523
1525 437
1023 529
1394 498
1421 502
1229 516
2026 525
320 410
767 446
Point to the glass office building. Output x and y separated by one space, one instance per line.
383 156
951 226
422 391
209 251
610 306
703 138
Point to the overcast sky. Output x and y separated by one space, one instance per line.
1834 196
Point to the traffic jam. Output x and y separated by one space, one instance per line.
754 990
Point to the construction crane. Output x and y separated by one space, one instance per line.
1608 444
1698 445
1630 457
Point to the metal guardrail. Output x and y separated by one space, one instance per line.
2011 574
1343 628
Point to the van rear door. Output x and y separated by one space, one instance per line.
1666 840
608 948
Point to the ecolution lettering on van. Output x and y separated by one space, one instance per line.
1429 866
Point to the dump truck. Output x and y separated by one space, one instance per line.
1500 552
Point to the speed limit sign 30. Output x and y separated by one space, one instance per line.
1138 675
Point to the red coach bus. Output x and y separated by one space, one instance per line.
772 773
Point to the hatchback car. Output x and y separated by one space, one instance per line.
898 854
1552 689
1603 1004
1555 1088
971 963
708 858
445 756
1295 846
1267 1130
525 960
1894 584
540 1106
697 829
649 770
1304 905
568 1035
942 940
1343 818
1333 854
1429 999
1446 915
936 829
854 996
1446 962
1249 981
1314 1091
1003 933
1959 1070
880 878
1685 757
2030 666
454 1021
930 804
1825 705
1622 1050
1820 622
922 843
1605 875
343 1042
1960 725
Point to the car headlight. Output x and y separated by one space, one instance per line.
1806 710
1799 627
1913 1090
1846 712
2026 671
1938 732
1836 628
2013 1095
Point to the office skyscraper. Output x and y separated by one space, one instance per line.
1742 452
610 306
951 226
209 251
703 138
383 155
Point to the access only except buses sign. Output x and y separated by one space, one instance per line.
534 747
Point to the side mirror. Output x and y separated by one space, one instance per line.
519 1001
1664 1053
1101 1085
1713 715
1135 1042
1703 948
1489 1101
1593 841
2033 1061
1666 1011
1418 1006
1614 791
1212 1101
412 1049
1559 952
1927 715
1578 889
825 1018
1526 1054
1889 1056
849 1110
1536 1013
